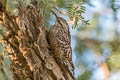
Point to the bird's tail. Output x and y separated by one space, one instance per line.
70 66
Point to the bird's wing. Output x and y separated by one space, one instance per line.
63 40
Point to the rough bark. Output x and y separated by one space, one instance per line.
27 46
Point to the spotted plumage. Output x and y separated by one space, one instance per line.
60 42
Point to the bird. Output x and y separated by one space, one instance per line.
60 42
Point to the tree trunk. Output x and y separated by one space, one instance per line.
26 42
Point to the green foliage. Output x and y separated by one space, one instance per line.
85 76
74 9
114 61
81 47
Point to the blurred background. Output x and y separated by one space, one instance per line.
96 47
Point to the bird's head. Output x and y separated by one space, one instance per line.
61 21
